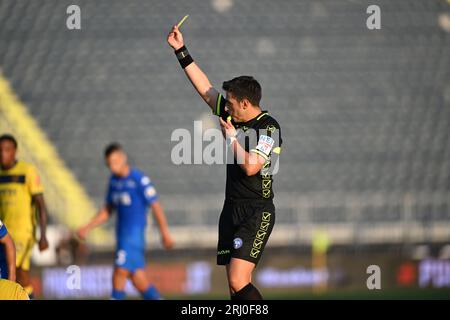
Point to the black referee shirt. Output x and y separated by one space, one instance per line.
261 135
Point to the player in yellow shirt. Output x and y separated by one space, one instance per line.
21 194
10 290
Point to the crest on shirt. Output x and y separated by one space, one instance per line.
271 128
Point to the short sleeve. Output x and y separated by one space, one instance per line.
219 109
269 141
148 189
33 181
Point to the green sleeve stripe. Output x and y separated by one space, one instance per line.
262 115
219 100
260 153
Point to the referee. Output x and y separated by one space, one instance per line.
248 214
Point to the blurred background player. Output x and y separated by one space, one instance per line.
248 214
21 194
8 258
130 192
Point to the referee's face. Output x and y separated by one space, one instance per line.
234 107
117 162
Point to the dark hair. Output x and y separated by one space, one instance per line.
112 147
9 137
244 87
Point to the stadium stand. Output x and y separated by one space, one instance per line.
365 114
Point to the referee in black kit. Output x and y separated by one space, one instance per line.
248 215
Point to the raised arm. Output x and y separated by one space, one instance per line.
197 77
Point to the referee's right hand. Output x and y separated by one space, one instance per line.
175 38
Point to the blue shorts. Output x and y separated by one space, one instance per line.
3 269
130 258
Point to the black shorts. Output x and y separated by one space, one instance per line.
244 228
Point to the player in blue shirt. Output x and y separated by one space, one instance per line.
8 258
130 193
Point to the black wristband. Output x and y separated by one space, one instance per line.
183 56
